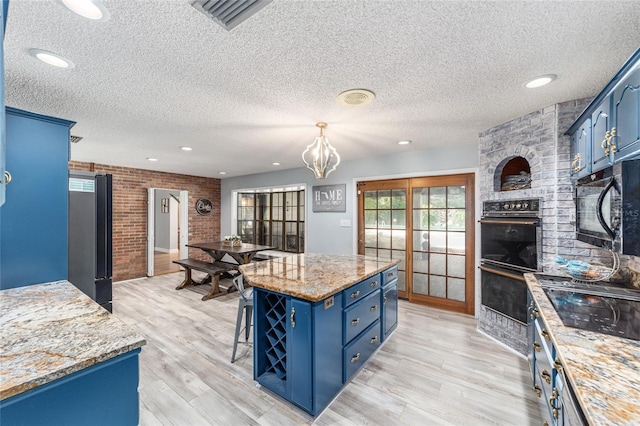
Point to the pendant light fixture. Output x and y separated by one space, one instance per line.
320 157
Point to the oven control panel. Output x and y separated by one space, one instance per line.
529 207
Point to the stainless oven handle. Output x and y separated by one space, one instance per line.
504 274
510 222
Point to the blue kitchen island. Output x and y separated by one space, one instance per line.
318 319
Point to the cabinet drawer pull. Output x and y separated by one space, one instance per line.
373 284
355 322
355 294
537 390
535 313
557 365
536 346
374 340
552 403
7 177
545 334
546 376
373 308
292 317
356 357
384 300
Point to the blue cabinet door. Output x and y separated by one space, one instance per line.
33 226
626 116
389 308
580 150
600 125
299 335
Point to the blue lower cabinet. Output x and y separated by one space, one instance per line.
357 352
307 351
389 317
296 352
104 394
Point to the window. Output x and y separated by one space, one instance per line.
272 218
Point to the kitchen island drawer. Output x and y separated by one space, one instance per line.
389 275
360 290
358 352
360 315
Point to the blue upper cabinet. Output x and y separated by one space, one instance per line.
580 150
611 123
33 219
3 176
626 115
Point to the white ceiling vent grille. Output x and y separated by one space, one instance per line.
75 139
229 13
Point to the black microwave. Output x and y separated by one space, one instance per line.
608 208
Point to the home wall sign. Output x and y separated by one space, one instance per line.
329 198
204 206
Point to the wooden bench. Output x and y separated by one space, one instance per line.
213 270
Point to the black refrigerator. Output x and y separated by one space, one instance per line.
90 235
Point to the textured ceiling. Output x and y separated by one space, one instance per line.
159 75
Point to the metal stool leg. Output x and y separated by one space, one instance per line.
238 329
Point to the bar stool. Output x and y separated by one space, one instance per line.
245 305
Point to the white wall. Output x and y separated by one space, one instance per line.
324 233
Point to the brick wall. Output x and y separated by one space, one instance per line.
130 213
539 138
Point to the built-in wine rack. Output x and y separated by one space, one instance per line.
276 334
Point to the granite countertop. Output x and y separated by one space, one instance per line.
52 330
313 277
604 370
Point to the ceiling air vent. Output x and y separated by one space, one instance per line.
229 13
75 139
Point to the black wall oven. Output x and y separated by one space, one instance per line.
510 245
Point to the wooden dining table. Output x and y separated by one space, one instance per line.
244 253
241 254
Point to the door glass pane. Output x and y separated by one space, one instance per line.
370 218
456 242
456 197
384 253
438 219
420 198
402 285
455 289
398 199
420 284
384 218
398 239
384 199
384 239
456 266
421 219
370 200
371 238
438 264
437 242
420 262
437 286
456 219
437 197
398 219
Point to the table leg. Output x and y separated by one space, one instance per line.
187 279
215 288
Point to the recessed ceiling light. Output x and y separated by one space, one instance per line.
186 148
90 9
356 97
222 173
51 58
276 164
540 81
404 142
152 159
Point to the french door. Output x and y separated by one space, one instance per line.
427 223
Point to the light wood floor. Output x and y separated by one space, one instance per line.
163 263
436 369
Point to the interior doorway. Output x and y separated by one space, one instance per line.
428 224
167 229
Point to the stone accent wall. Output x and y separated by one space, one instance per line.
539 138
130 213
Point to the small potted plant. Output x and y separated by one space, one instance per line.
232 240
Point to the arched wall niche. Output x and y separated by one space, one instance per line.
512 173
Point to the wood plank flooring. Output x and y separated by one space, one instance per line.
436 369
